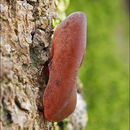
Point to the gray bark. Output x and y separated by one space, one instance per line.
25 41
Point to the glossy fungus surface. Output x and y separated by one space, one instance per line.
67 54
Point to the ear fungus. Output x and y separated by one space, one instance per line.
67 54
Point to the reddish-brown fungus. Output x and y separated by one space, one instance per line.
67 54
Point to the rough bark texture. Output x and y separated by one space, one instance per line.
25 41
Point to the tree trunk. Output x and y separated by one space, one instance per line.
25 45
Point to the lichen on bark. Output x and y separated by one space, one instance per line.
26 31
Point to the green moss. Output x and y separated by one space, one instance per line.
61 6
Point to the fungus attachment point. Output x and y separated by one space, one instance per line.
67 54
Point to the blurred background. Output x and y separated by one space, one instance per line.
105 70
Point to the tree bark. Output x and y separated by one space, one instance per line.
26 31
